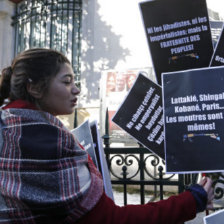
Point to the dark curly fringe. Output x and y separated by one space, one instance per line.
5 84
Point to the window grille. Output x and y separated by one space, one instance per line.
53 24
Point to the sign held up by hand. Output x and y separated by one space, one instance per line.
178 34
141 114
194 120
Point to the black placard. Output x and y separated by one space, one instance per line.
216 29
88 135
178 34
193 118
141 114
102 163
84 136
218 56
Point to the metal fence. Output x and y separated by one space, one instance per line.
137 166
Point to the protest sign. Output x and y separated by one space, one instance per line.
141 114
218 56
193 103
84 137
98 145
216 29
214 218
178 34
88 136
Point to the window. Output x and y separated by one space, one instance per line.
50 23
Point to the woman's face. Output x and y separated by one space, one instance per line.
61 95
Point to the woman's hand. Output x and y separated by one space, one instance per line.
206 183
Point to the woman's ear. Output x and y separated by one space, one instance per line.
34 90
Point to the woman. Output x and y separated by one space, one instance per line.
45 176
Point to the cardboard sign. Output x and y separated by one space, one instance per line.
141 114
218 56
214 218
98 144
178 34
194 120
88 136
83 135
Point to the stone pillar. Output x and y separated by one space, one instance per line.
6 33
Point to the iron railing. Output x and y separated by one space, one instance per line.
137 166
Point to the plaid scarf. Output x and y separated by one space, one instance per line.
45 176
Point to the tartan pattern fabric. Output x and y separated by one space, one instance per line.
45 176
